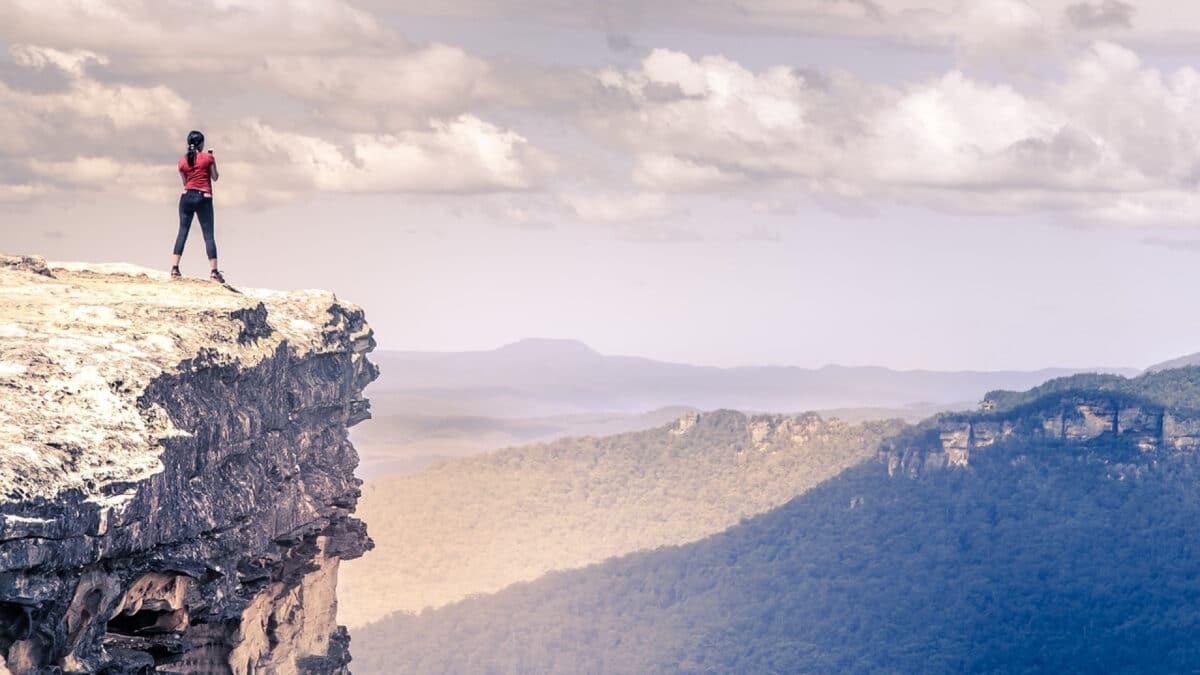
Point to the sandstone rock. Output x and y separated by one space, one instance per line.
1053 426
1088 420
1142 424
685 424
1180 433
984 434
770 432
1071 419
176 480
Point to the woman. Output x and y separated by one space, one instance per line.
198 171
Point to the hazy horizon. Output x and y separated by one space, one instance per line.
585 345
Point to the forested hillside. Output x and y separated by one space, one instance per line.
1036 556
477 525
1177 388
397 442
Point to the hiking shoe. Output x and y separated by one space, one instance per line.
175 273
216 276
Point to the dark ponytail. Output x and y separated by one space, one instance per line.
195 140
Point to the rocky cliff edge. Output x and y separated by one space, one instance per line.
176 480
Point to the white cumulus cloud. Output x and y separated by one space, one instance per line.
1112 140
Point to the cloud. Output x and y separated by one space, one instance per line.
658 172
621 209
1185 245
95 107
379 90
1103 14
723 118
525 210
761 233
86 136
1165 207
335 61
177 33
723 125
70 62
463 155
619 42
1004 29
321 96
96 172
658 233
15 193
386 116
274 166
1112 140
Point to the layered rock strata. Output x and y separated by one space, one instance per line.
1069 419
176 480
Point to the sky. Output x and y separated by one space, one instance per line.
934 184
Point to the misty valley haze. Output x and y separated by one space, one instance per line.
557 377
428 406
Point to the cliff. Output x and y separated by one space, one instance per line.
1129 427
176 481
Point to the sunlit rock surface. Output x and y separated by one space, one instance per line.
176 481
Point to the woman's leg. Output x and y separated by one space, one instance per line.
205 213
186 209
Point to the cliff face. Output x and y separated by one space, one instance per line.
1068 419
176 481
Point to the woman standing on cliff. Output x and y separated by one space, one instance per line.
198 170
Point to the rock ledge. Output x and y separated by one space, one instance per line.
176 479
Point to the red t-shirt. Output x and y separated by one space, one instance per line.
196 177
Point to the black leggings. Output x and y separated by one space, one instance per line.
194 202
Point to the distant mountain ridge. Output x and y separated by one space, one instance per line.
1180 362
539 377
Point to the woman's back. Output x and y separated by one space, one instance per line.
197 177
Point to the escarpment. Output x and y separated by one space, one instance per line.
176 479
1125 426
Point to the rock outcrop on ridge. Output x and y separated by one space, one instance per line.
1075 418
176 480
